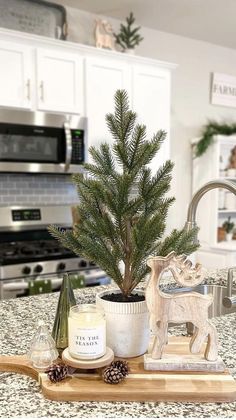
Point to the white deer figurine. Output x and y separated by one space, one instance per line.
179 307
104 34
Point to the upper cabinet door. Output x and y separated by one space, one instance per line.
15 76
103 78
59 81
151 101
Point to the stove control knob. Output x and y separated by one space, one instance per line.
61 266
38 269
82 264
26 270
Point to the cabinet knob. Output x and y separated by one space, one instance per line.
28 87
41 87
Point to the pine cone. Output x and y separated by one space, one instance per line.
122 365
57 372
112 375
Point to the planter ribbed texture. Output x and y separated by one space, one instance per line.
123 307
127 325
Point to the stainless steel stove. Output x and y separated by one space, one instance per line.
28 251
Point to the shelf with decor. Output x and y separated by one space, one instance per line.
217 206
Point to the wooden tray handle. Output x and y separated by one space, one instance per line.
18 364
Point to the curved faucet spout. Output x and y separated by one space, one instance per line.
218 183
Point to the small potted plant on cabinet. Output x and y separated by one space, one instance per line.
228 227
122 213
128 37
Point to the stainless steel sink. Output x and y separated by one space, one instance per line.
219 293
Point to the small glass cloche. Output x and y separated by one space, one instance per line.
42 351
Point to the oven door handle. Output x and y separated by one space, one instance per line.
68 146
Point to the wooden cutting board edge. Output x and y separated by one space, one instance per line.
145 386
133 390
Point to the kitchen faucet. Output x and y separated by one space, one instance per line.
211 185
229 301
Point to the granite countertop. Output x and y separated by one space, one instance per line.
21 395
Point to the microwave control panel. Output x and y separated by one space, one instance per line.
77 137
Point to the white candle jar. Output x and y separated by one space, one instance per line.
86 332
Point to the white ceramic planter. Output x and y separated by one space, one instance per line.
229 236
127 325
130 51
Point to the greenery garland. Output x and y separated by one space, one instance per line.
209 131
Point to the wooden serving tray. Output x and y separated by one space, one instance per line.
140 385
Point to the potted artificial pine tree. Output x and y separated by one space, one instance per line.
118 229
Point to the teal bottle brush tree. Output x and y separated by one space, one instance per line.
117 227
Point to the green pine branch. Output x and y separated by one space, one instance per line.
114 225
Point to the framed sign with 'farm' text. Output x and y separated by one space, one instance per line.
223 90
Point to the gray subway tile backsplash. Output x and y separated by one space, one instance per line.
40 189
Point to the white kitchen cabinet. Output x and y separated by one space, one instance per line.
53 82
103 78
149 92
40 73
151 101
15 75
59 81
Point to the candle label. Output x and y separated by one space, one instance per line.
87 342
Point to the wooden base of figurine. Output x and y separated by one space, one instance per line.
177 357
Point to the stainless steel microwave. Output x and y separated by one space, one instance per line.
41 142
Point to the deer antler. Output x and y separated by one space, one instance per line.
184 273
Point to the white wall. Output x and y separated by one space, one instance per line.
190 93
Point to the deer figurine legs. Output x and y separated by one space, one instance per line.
207 331
201 333
160 332
212 344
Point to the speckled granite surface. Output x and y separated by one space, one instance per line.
20 396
